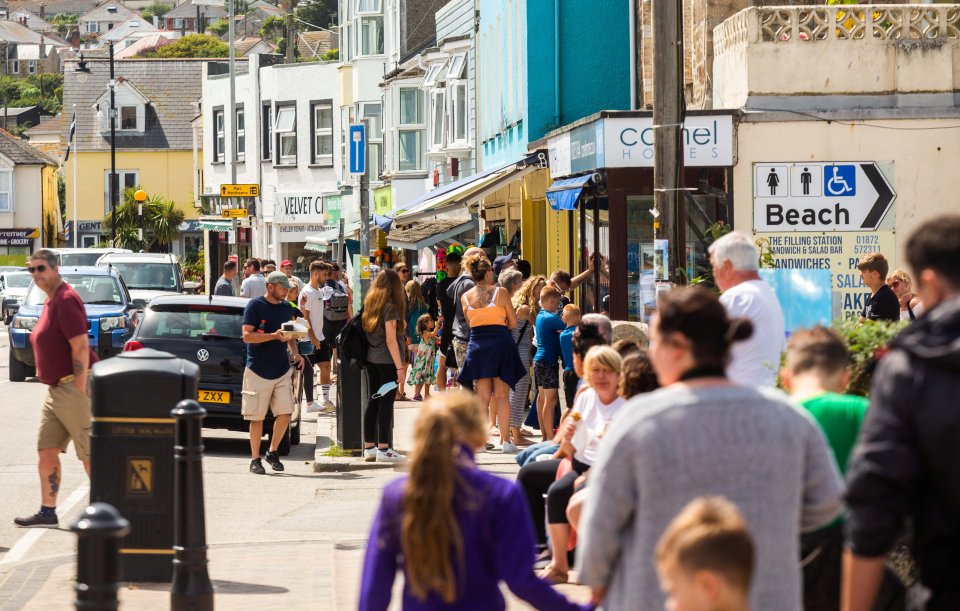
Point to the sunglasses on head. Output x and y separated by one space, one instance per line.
38 268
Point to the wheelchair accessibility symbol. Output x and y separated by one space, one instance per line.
840 180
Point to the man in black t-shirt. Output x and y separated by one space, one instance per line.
266 379
882 303
448 310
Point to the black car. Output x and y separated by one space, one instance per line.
208 331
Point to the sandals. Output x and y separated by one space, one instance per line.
553 576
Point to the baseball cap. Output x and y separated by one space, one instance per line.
500 261
279 278
285 263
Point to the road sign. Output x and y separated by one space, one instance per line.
234 213
239 190
358 149
820 196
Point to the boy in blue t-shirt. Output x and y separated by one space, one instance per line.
549 326
571 318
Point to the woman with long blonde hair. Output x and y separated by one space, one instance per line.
455 531
383 310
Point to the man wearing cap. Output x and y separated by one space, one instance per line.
503 263
286 266
266 379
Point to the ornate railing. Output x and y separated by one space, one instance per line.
805 24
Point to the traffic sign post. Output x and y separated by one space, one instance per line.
239 190
234 213
358 149
820 196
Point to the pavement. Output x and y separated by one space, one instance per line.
282 541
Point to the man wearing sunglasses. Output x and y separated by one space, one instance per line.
63 357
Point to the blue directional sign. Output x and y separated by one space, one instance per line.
840 180
358 149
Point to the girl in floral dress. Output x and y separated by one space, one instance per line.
421 374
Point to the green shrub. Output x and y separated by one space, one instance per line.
866 343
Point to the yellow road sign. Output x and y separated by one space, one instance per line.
140 476
364 268
234 213
239 190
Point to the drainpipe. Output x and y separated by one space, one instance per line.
633 54
556 62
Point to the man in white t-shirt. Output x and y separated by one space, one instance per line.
755 361
311 304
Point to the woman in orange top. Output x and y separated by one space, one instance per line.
493 364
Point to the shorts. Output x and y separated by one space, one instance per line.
570 382
548 374
260 395
450 355
65 415
459 352
331 330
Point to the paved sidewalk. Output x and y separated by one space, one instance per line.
314 573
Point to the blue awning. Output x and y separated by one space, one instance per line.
563 194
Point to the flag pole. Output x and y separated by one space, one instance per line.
76 226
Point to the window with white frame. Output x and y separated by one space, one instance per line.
6 190
240 144
93 27
285 127
411 130
373 113
321 147
128 118
371 36
31 66
433 75
366 7
437 118
126 179
219 140
347 32
266 118
457 121
178 24
455 67
13 66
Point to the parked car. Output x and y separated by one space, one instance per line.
208 331
147 275
12 268
13 288
111 312
74 257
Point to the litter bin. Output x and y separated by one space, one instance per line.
352 394
131 452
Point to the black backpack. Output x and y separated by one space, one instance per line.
335 308
352 343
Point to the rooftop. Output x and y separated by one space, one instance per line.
188 10
108 12
55 7
20 152
315 44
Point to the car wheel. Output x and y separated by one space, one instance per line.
18 370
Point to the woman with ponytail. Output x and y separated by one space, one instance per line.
454 530
701 434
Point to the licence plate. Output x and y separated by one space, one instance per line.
214 396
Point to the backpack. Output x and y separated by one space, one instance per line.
352 343
335 308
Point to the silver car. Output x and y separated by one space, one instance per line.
13 287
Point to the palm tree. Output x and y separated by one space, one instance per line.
160 222
164 219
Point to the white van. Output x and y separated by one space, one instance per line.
79 257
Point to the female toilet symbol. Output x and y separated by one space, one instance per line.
773 180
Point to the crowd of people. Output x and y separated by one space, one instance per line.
679 475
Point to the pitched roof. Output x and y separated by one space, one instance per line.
34 22
20 152
170 111
52 125
11 31
108 12
244 45
132 25
150 42
55 7
315 44
267 9
188 10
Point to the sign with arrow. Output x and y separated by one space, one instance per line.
820 196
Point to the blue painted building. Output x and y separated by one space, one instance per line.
546 63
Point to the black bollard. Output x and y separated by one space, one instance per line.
98 531
191 582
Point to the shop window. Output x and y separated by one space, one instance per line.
6 191
371 36
285 128
266 140
240 144
90 241
218 138
321 152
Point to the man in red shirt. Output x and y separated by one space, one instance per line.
63 357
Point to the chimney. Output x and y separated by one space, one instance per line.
42 10
75 38
43 47
156 22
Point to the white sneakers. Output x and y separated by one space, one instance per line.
313 407
390 455
370 454
509 448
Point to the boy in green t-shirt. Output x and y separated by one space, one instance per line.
816 372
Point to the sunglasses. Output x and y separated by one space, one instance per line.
39 268
403 271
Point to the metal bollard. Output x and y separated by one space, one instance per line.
98 531
191 587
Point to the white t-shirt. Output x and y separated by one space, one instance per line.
312 300
756 361
595 416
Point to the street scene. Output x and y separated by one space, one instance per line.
479 304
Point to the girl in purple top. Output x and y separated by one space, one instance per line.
454 530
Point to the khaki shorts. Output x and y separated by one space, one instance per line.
260 395
65 415
460 351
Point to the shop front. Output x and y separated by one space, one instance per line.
601 205
297 215
17 244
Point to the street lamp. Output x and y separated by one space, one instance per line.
114 187
140 196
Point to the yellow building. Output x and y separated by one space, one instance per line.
156 101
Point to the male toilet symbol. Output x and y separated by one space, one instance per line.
805 179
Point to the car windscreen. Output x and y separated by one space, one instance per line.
79 259
186 321
93 290
17 281
150 276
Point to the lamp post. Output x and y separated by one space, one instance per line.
140 196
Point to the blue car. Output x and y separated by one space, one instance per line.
111 315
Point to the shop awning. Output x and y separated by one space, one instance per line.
214 225
463 192
429 233
322 240
563 194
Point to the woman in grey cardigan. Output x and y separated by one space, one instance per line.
703 435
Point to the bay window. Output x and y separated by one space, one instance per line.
371 36
437 116
411 130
